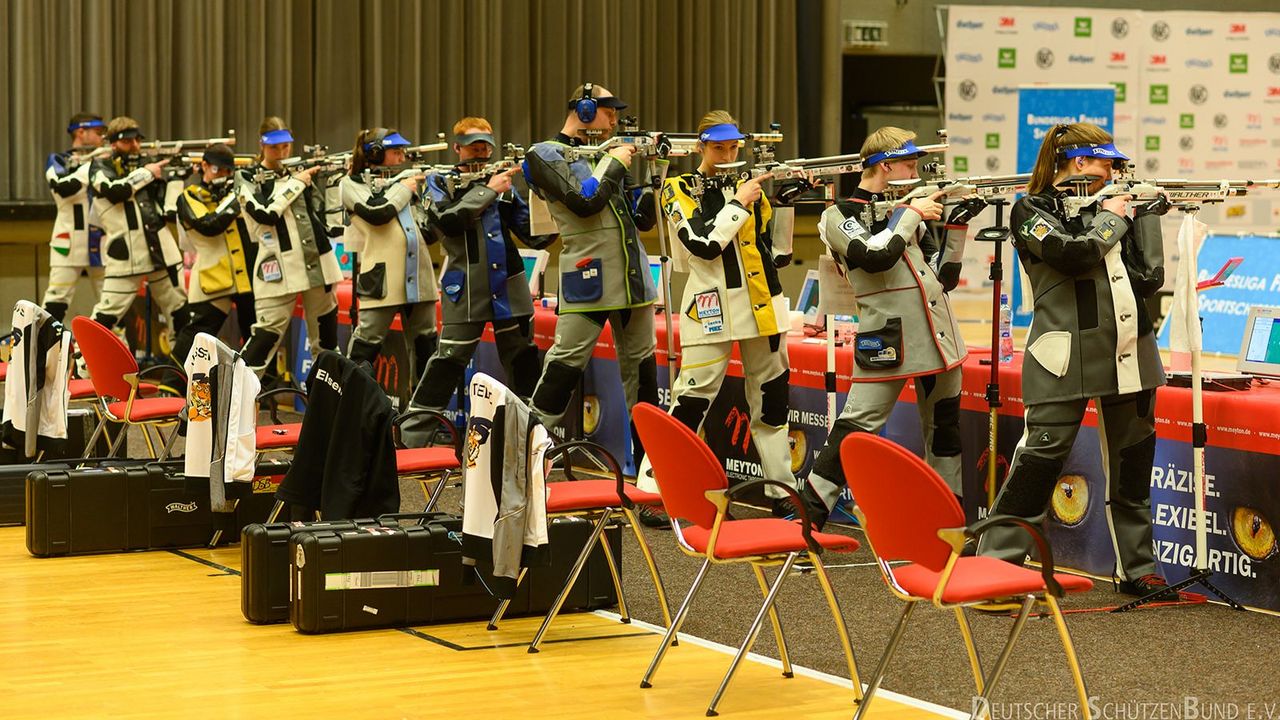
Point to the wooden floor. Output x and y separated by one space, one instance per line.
159 634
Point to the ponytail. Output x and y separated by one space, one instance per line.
1047 160
358 162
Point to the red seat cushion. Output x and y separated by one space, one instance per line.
428 459
573 495
762 536
4 371
982 578
150 409
278 437
83 389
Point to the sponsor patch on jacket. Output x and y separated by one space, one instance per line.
870 343
851 228
270 270
200 399
1107 233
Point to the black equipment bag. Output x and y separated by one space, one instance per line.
380 576
264 567
14 467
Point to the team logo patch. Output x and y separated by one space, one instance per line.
850 228
1039 229
1107 233
478 431
201 405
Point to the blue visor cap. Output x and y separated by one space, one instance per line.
721 133
85 124
1105 152
275 137
394 140
470 138
908 150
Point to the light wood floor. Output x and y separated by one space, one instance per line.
159 634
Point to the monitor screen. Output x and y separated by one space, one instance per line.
1264 341
655 271
530 263
807 301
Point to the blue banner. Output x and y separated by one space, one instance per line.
1039 109
1223 310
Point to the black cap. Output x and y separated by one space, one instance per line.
220 156
125 134
609 101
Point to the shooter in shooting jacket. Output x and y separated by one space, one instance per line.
478 214
725 226
902 273
128 196
74 246
604 270
210 211
1091 337
395 273
294 255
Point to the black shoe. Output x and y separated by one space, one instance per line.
785 508
1151 583
652 517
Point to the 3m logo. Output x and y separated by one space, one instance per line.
1152 143
1237 29
993 141
1118 57
1084 27
1187 121
1273 92
1007 21
1158 60
1158 95
1239 63
1007 58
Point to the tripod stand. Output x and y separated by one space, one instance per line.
997 234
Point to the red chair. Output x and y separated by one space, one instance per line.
279 436
695 489
915 518
115 376
600 501
431 463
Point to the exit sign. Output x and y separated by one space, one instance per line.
865 33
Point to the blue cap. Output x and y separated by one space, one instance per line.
394 140
275 137
908 150
1106 152
721 133
95 122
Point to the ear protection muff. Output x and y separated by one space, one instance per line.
586 105
374 152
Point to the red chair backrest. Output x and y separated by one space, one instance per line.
108 358
905 501
683 465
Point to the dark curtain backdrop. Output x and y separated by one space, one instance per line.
196 68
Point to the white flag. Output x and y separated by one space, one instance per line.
1184 333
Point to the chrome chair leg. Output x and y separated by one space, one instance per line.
966 632
653 567
981 707
894 641
676 622
842 629
275 511
751 633
168 442
568 585
774 620
1072 661
504 604
120 438
434 498
613 570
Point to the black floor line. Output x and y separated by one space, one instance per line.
216 566
466 648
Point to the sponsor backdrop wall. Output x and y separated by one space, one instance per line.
1197 96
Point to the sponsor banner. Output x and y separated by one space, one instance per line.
1223 310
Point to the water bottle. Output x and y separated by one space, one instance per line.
1006 329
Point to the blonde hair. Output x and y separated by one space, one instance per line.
882 140
716 117
1059 136
120 124
269 123
477 123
